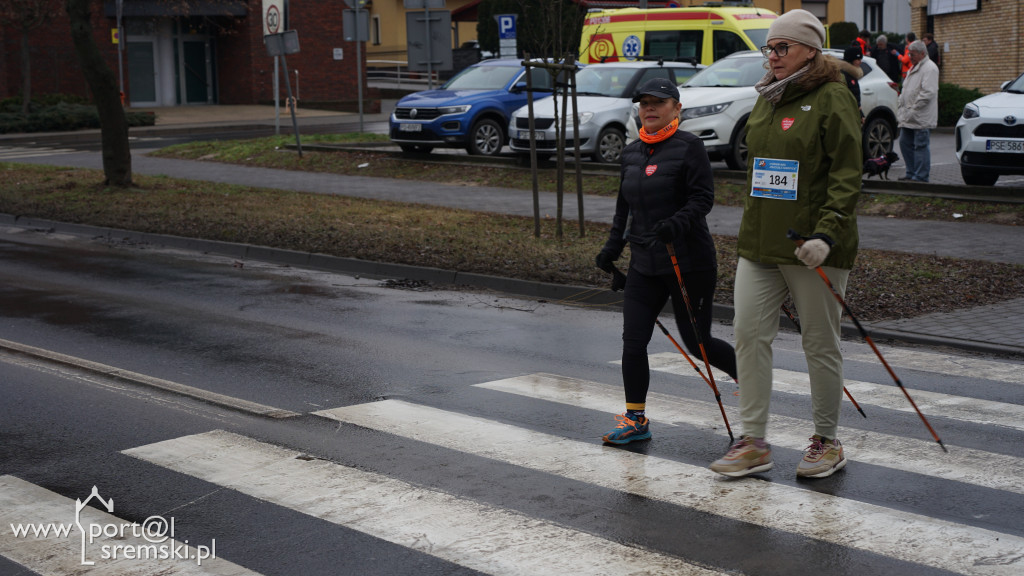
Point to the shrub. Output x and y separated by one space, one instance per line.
841 34
952 99
59 117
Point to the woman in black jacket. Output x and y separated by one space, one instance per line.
665 193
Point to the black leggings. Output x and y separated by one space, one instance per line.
645 297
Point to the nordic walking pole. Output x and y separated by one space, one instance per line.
799 240
696 332
618 283
797 324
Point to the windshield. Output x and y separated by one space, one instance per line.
604 80
759 36
483 78
734 72
1016 86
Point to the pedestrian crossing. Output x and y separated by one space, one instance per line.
465 527
12 153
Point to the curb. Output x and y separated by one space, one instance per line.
548 292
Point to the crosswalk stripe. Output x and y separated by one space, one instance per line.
887 396
946 364
976 467
7 153
23 503
474 535
906 536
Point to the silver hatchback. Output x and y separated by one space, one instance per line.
604 103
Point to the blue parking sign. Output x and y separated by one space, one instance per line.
506 26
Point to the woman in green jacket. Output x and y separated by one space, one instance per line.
803 173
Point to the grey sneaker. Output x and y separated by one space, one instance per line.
823 458
747 456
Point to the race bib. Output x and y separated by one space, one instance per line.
775 179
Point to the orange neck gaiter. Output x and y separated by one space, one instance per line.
660 135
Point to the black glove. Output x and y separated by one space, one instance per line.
605 261
664 232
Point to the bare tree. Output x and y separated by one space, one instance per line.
26 16
117 156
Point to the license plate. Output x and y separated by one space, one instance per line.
525 135
1016 146
410 127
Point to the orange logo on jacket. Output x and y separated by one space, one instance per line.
786 123
651 169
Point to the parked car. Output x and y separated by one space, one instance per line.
604 100
718 100
990 135
470 111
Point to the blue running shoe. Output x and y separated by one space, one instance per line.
628 430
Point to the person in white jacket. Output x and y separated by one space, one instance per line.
918 113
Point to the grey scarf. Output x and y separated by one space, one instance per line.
771 89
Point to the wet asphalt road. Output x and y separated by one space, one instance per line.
308 341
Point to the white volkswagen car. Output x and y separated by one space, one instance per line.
604 101
718 100
990 135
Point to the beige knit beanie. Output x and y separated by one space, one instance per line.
798 26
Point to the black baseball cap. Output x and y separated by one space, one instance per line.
660 87
852 53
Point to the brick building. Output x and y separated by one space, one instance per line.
180 52
982 41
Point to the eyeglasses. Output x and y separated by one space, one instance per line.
780 49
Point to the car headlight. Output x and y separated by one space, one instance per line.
699 111
971 111
443 110
584 118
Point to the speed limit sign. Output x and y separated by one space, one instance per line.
273 16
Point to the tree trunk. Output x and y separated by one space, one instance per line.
117 156
26 74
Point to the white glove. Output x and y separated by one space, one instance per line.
813 252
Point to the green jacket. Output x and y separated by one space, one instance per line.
821 129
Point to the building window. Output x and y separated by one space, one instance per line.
375 30
873 16
817 7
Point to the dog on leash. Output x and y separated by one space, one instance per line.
880 166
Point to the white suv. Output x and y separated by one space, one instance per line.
718 100
990 135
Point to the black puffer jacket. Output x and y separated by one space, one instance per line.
667 180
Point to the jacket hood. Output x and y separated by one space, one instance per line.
850 69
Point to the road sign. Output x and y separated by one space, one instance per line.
286 42
352 30
273 17
506 26
429 40
423 4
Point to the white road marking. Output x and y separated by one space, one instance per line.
949 364
922 456
13 153
860 525
23 503
886 395
478 536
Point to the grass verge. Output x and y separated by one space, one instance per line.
883 285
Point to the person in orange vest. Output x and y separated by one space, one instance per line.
864 40
907 64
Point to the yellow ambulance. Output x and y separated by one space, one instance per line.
702 34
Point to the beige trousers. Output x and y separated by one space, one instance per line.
760 291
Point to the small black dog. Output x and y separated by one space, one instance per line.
880 166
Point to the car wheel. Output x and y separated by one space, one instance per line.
486 138
977 178
879 137
416 148
610 143
736 157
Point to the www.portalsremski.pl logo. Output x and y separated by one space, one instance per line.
153 539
